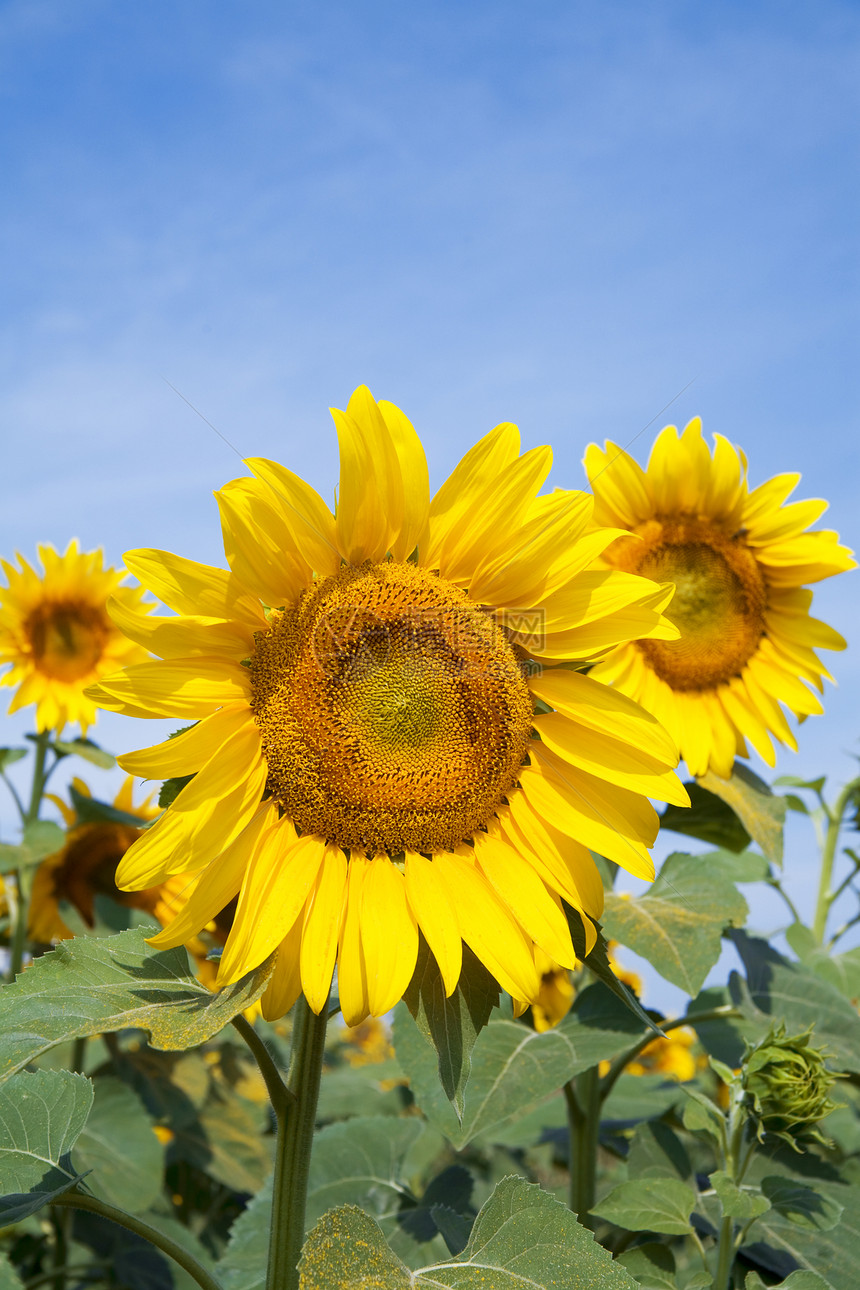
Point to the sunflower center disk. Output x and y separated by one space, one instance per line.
67 639
718 604
393 711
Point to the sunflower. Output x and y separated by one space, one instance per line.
739 559
387 738
57 636
85 867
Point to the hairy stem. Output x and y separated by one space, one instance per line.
279 1095
293 1154
826 897
582 1095
22 876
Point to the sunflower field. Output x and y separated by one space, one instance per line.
343 986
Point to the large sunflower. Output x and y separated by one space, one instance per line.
56 634
739 559
378 750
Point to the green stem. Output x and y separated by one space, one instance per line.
293 1153
726 1255
692 1020
583 1119
22 883
279 1095
80 1200
828 856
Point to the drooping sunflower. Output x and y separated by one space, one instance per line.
56 634
739 559
388 738
85 867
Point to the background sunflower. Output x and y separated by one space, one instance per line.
739 559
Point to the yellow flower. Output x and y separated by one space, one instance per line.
556 996
86 867
671 1056
739 560
57 636
367 756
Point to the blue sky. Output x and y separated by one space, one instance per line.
555 213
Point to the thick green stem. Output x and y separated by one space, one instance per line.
725 1256
293 1155
828 857
583 1119
80 1200
22 883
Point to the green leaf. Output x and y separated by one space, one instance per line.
119 1146
652 1265
708 818
841 970
12 858
598 962
657 1152
791 992
664 1206
43 838
9 1279
224 1141
86 749
801 1204
171 788
90 986
452 1024
738 1202
89 810
243 1264
8 756
799 1280
514 1068
759 809
677 924
747 866
42 1114
359 1162
642 1097
523 1237
701 1115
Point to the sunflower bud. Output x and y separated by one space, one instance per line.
788 1085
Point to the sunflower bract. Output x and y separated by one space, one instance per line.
368 764
739 559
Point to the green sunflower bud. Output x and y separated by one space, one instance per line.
788 1085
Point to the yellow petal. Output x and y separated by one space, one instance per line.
526 896
285 985
306 514
277 882
258 543
600 708
621 489
389 935
564 864
191 588
323 918
504 578
370 493
487 925
466 482
437 918
351 974
233 763
183 636
187 687
184 754
415 477
610 759
216 886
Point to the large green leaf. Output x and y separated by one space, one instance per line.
652 1265
243 1264
86 749
708 818
791 992
523 1237
118 1144
664 1205
677 924
359 1162
40 838
514 1068
656 1151
841 970
9 1279
799 1280
452 1024
224 1141
89 986
761 811
42 1114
